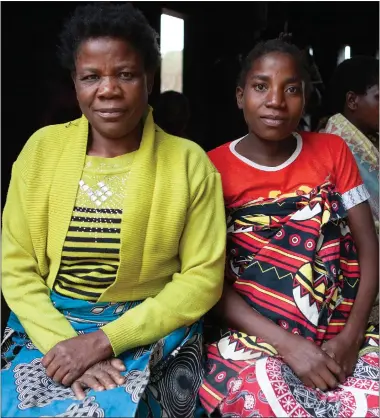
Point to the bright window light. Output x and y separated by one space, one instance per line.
347 52
311 52
344 54
172 42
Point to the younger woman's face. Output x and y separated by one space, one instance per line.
272 99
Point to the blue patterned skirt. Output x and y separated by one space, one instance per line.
161 380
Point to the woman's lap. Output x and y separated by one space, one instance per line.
160 380
270 388
307 290
265 386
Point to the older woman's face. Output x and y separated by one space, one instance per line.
112 86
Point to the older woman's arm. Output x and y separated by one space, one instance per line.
195 289
192 292
25 291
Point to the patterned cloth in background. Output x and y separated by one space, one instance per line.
366 156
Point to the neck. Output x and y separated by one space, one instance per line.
264 152
100 146
351 118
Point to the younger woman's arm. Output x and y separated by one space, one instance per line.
367 244
345 346
314 367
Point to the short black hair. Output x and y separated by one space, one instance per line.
271 46
106 19
356 74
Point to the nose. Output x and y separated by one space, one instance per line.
109 88
276 99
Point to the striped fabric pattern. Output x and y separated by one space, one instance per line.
90 255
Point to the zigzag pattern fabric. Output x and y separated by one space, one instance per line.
294 261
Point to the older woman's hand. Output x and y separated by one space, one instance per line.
68 360
104 375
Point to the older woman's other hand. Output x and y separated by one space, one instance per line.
68 360
104 375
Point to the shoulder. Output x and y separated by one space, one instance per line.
220 155
47 143
320 140
183 153
51 137
220 151
52 132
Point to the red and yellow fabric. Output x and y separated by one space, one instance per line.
294 261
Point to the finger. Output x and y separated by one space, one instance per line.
328 377
91 382
59 376
48 358
106 380
334 367
70 377
115 375
348 371
319 382
118 364
52 369
308 382
329 352
77 388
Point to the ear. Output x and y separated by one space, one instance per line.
352 100
239 97
73 77
150 82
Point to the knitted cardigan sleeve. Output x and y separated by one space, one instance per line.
25 291
195 289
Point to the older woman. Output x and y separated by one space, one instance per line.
113 242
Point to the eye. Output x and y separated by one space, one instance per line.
259 87
125 75
293 90
90 77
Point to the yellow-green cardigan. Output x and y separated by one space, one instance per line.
172 240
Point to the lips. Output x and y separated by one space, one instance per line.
110 113
271 120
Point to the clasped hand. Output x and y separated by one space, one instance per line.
315 367
70 359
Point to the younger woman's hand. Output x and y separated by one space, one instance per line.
344 351
311 364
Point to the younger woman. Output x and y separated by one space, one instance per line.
295 303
